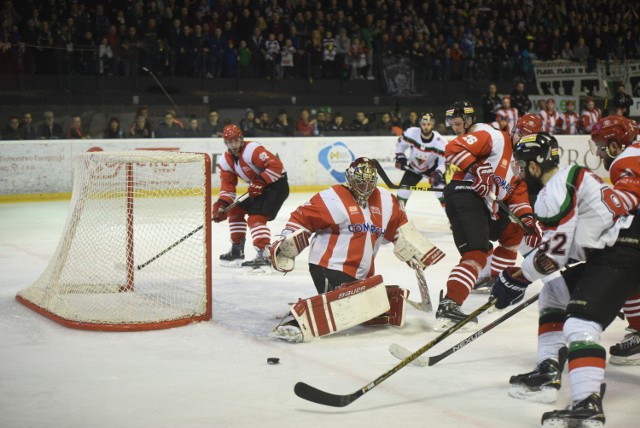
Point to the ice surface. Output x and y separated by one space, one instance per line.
215 374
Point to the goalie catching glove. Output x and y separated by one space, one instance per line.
284 250
411 245
509 287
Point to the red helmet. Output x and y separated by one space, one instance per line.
231 132
616 128
529 124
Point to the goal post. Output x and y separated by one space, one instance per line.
128 208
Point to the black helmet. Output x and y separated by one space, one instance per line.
541 148
462 109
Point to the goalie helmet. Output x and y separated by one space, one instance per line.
362 178
540 148
464 110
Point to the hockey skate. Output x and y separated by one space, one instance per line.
234 257
449 314
483 285
627 352
542 384
261 264
288 331
587 413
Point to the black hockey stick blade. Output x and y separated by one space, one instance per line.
310 393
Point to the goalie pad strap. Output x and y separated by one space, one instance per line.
397 308
340 309
412 245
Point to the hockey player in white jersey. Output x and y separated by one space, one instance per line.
420 154
583 221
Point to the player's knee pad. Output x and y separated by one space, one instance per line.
475 259
554 294
579 330
351 304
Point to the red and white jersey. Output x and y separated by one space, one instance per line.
570 123
578 212
625 176
423 155
484 144
510 113
347 236
497 126
550 121
253 160
589 118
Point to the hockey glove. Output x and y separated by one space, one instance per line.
533 236
256 187
217 212
507 289
482 183
436 178
401 161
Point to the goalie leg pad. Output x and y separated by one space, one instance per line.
397 308
412 245
340 309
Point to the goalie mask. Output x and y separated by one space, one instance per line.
463 110
540 148
362 178
610 136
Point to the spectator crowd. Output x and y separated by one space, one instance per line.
277 39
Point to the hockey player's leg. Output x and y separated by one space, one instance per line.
627 351
544 381
238 230
261 237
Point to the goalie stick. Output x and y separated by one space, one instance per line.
425 305
188 235
401 352
391 185
310 393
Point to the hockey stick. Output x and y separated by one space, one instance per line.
310 393
401 352
188 235
425 305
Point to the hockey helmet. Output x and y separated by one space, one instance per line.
231 132
526 125
540 148
362 178
612 128
428 117
462 109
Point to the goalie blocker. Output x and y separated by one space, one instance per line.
367 302
410 245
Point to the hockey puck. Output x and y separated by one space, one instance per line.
273 360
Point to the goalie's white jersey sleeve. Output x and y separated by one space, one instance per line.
422 155
346 236
579 212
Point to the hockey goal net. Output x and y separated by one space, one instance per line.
136 250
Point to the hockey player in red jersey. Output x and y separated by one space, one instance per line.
527 124
344 226
268 189
483 156
583 220
613 139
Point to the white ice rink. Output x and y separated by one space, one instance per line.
215 374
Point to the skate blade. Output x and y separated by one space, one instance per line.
481 290
262 270
625 361
571 423
544 395
232 263
442 325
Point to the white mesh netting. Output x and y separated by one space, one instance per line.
123 259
